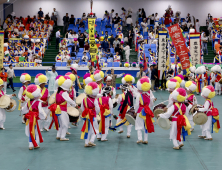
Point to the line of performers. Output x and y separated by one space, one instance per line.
95 107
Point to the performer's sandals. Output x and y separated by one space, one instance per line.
104 140
128 136
92 144
191 130
2 128
176 148
145 142
120 131
30 148
47 130
139 141
99 139
64 139
58 138
68 133
181 145
87 145
208 138
37 147
201 137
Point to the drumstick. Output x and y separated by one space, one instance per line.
161 103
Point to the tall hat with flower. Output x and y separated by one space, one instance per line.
191 86
128 78
33 91
71 76
143 84
65 82
92 89
179 95
74 67
172 84
1 82
208 92
40 79
25 77
98 75
180 79
87 78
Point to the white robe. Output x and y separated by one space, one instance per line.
51 77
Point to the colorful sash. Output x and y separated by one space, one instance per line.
23 95
104 113
199 82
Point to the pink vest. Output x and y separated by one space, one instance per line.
71 95
105 100
60 100
23 96
90 104
34 106
45 98
209 112
183 108
146 101
2 93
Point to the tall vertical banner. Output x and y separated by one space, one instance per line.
179 43
93 50
1 48
195 48
162 58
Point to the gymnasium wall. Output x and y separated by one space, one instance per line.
198 8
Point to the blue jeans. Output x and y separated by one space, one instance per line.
205 47
128 26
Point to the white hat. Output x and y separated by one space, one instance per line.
33 91
172 84
179 94
92 89
208 92
108 78
40 79
128 78
143 84
192 69
25 77
98 75
191 85
65 82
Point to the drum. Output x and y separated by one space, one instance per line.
131 116
192 110
12 106
164 123
4 101
52 98
98 118
114 103
158 109
80 98
73 114
200 118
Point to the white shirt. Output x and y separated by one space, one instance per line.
10 73
65 58
58 34
129 21
197 26
127 49
97 108
85 57
204 38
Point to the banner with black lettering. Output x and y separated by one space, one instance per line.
162 58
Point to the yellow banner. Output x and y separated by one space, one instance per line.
93 50
1 48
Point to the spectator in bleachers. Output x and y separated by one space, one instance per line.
65 57
116 57
141 73
197 26
116 42
84 57
86 47
138 14
188 17
81 24
55 13
67 50
144 25
84 17
40 13
54 18
59 57
38 61
140 59
111 16
86 35
127 51
119 27
47 17
116 20
105 45
130 38
65 22
13 60
129 22
189 24
75 35
156 20
57 38
35 19
154 77
111 40
75 48
183 22
106 15
185 28
106 34
26 59
119 50
108 54
79 33
72 20
143 13
152 19
204 40
81 40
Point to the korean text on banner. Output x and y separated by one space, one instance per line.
195 48
92 43
162 50
1 48
181 49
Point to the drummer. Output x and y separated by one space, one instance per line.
142 107
106 107
34 111
98 76
41 80
90 108
108 81
126 101
74 68
208 93
176 112
190 88
129 79
2 111
26 80
171 85
62 98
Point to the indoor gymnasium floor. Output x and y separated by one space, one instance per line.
118 153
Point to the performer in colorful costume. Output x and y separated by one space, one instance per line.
212 113
41 80
98 76
129 80
74 69
180 126
90 108
33 112
144 119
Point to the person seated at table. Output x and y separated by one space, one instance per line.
84 57
65 57
116 57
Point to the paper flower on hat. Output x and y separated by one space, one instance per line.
191 85
33 91
25 77
134 64
126 64
71 76
74 67
1 82
192 69
92 89
40 79
178 79
143 84
128 78
179 94
98 75
140 64
122 42
172 84
65 82
87 78
208 92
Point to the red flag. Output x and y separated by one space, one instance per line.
178 41
145 68
97 63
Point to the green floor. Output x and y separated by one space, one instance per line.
119 153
